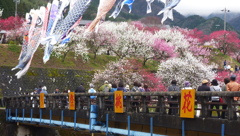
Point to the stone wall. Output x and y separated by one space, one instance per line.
51 78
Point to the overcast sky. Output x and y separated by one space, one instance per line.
206 7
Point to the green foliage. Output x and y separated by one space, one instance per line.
9 8
31 73
54 73
192 22
14 47
1 93
22 8
100 61
91 12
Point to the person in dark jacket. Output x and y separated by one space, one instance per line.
39 89
203 87
173 87
80 89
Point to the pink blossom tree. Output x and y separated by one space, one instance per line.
225 41
14 28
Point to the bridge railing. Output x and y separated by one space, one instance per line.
142 102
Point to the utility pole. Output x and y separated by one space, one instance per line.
16 2
225 17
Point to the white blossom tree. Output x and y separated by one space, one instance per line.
187 68
114 72
76 44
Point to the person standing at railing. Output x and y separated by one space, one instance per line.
173 87
39 89
203 87
187 85
80 89
127 88
57 98
92 90
56 91
224 106
44 90
32 98
135 99
105 87
141 88
215 88
233 86
110 98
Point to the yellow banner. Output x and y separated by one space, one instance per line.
41 99
187 103
118 101
71 96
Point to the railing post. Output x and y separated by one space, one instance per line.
230 107
78 103
144 104
100 103
6 114
54 103
128 104
47 101
204 111
160 105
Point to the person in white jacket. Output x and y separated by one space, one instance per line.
214 87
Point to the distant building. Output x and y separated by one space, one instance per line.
85 22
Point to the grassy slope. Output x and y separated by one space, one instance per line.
9 57
220 57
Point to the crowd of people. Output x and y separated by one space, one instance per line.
230 68
106 87
230 84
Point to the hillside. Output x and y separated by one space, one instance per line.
213 24
229 15
192 22
232 18
235 23
69 63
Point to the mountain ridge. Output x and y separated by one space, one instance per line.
139 13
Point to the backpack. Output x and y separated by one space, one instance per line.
106 89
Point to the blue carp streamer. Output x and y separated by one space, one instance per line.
120 5
64 26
